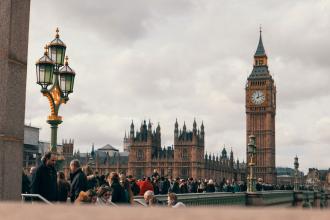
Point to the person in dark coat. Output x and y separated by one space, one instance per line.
25 183
192 185
44 181
164 185
183 186
176 186
210 187
118 191
78 180
63 187
135 188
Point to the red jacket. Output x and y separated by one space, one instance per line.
145 186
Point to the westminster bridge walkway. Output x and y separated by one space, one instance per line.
287 198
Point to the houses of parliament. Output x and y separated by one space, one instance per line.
187 157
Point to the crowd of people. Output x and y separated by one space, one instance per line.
87 187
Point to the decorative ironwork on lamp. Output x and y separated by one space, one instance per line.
49 72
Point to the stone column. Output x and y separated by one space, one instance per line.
14 30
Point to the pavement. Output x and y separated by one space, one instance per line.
19 211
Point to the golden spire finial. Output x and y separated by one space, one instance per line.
57 35
46 49
66 60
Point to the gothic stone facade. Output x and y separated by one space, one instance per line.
260 115
185 159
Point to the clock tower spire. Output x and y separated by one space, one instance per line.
260 106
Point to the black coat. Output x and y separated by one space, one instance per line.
63 190
176 188
78 184
164 186
44 182
118 193
210 188
25 184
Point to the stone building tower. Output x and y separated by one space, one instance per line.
126 143
144 145
68 149
188 151
260 114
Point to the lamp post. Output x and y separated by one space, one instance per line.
53 69
251 180
296 171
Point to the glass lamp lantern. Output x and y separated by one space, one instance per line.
57 50
66 78
45 70
250 148
252 145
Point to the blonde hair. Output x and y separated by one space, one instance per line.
173 197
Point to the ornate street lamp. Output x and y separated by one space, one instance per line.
296 173
49 72
251 180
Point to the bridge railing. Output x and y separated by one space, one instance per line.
305 199
34 197
206 199
285 198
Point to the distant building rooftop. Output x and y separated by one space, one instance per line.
108 147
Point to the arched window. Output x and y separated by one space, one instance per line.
184 154
139 155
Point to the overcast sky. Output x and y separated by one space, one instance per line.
162 60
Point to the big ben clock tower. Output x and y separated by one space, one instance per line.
260 106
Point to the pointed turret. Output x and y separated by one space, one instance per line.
132 130
184 127
149 131
260 49
231 158
224 153
260 57
144 125
194 126
260 67
202 130
176 129
93 151
78 154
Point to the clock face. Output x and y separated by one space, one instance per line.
258 97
